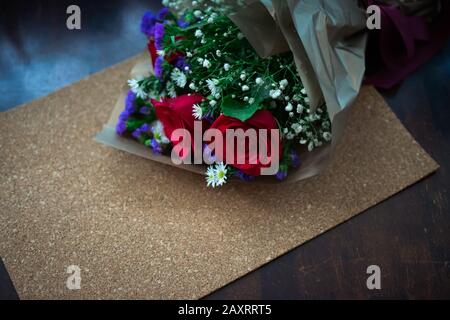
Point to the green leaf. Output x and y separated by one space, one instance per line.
240 110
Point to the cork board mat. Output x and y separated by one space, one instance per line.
140 229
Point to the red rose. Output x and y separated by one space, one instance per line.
152 50
154 53
176 113
262 119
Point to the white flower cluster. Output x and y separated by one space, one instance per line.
137 88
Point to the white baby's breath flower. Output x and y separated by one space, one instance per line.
251 100
226 66
283 84
198 33
197 13
188 54
245 88
218 53
297 128
206 64
243 76
161 53
327 136
259 81
300 108
303 91
178 77
240 36
197 112
275 93
212 103
289 107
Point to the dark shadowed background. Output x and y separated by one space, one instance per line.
407 235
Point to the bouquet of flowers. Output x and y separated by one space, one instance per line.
207 76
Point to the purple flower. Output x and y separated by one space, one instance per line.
137 133
130 100
121 127
181 63
155 146
182 24
281 175
243 176
295 159
208 154
145 128
159 66
161 15
159 36
144 110
148 23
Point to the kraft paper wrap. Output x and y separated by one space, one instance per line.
327 40
139 229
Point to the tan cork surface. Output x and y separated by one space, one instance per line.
140 229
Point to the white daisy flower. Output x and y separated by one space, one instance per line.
212 86
158 132
140 93
197 112
178 77
133 84
170 87
220 172
211 178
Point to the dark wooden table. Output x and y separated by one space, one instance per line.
407 236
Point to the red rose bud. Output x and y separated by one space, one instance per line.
255 143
